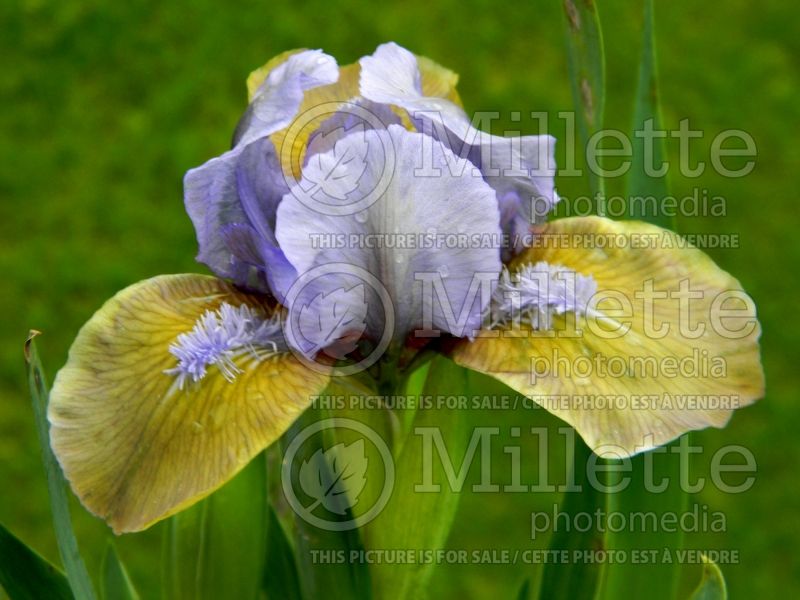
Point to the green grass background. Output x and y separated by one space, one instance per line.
106 104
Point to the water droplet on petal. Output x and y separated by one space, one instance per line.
444 271
322 60
399 258
361 217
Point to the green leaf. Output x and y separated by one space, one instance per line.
575 579
77 575
415 520
25 575
586 61
657 579
712 585
385 424
323 555
644 178
216 549
115 582
524 592
280 571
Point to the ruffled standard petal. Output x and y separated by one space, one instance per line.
277 100
318 105
294 111
624 382
363 207
169 390
232 201
391 75
520 169
322 105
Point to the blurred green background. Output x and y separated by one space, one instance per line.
106 105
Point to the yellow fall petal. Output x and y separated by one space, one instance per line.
653 402
135 447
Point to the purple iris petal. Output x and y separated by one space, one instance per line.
520 169
232 202
352 117
232 199
278 99
382 240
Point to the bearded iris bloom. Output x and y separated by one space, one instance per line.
328 226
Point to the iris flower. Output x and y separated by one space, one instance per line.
178 381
